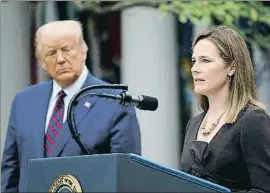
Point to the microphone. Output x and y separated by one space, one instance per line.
71 114
142 102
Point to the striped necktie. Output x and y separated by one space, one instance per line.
55 125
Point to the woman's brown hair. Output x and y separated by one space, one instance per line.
234 51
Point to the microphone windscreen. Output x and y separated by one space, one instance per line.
149 103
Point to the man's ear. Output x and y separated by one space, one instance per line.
232 68
42 65
84 54
40 61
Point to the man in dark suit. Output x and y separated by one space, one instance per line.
38 127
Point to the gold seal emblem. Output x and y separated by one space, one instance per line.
65 183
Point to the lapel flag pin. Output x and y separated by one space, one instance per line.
87 104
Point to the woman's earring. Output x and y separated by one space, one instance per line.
230 81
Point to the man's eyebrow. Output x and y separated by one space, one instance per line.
66 45
49 50
47 47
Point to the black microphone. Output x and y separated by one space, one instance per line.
142 102
71 114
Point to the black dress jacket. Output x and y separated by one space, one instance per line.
238 157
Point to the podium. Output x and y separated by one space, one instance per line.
111 173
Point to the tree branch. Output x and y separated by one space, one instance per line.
97 9
226 12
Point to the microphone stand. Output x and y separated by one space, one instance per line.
71 114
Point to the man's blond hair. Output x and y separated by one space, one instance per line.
59 27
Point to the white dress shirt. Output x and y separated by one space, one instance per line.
70 92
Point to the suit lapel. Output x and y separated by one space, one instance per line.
81 110
41 106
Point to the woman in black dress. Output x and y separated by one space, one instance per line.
229 142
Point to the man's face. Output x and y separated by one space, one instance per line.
62 57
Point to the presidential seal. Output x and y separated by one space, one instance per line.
65 183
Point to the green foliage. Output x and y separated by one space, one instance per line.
225 12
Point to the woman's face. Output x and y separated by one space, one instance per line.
209 70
